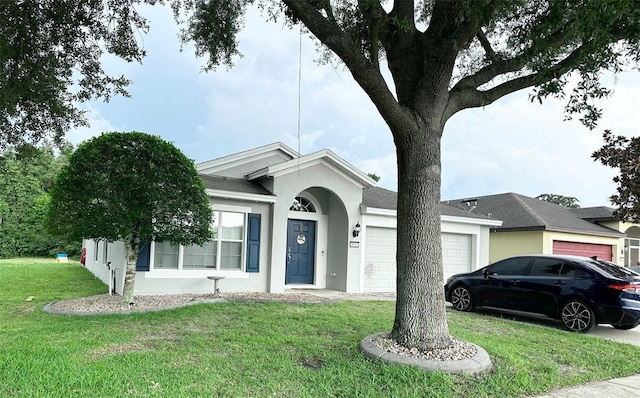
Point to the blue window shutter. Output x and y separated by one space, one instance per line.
253 243
144 257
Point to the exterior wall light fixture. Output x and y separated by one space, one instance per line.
356 230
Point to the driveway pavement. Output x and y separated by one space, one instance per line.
604 331
624 336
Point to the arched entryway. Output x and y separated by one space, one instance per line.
316 252
632 246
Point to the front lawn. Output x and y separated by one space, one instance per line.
261 349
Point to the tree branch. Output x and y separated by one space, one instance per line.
401 27
376 17
500 67
470 97
363 71
484 42
329 10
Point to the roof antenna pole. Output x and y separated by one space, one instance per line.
299 91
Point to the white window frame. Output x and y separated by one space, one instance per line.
105 252
96 247
217 209
242 241
153 255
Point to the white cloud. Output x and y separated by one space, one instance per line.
511 145
98 125
517 146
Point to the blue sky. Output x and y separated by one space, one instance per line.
512 145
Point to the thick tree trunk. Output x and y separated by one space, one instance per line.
420 320
132 246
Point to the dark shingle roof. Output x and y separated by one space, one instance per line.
233 185
520 212
381 198
600 213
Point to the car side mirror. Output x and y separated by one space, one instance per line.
485 272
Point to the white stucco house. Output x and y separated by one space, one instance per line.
284 221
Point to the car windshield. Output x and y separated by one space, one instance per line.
613 270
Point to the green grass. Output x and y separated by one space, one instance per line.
256 349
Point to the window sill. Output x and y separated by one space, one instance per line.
194 274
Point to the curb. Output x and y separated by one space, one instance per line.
479 363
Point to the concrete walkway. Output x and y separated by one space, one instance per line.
624 387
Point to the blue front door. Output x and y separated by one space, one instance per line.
301 248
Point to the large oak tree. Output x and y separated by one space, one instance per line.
444 56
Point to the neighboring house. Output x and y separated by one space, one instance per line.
284 221
532 226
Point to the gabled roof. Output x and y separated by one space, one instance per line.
323 156
225 162
379 198
522 213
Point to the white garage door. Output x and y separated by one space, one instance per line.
456 254
380 258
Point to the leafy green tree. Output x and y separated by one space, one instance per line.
622 153
26 175
50 61
374 177
566 201
18 194
130 187
444 56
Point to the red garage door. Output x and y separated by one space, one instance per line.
603 252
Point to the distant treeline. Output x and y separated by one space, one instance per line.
27 174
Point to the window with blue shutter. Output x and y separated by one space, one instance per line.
253 243
144 257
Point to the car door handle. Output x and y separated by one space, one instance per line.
515 281
559 283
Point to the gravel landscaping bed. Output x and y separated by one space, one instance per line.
106 304
457 351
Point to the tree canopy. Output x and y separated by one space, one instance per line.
444 56
132 187
566 201
623 153
50 61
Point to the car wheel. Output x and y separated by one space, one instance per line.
461 299
577 316
623 327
